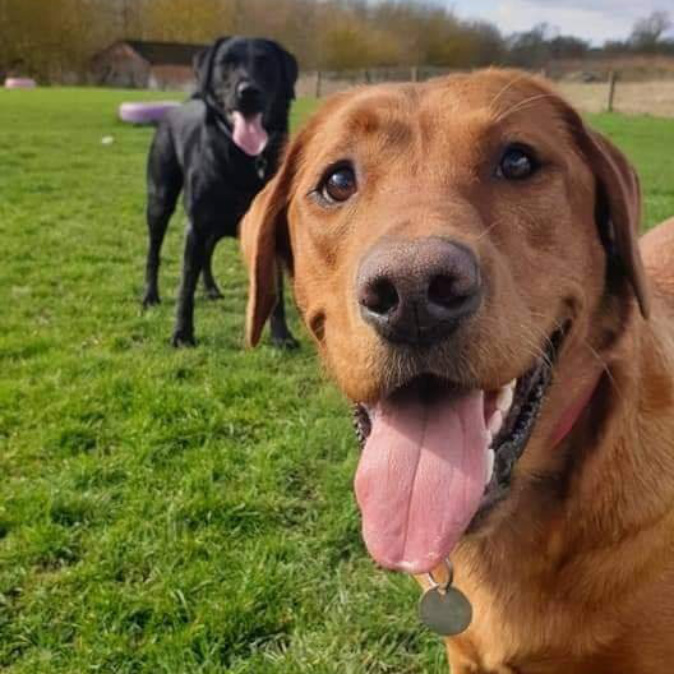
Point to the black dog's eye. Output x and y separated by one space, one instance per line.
339 185
517 163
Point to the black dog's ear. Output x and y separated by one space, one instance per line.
199 60
203 64
290 72
200 64
289 69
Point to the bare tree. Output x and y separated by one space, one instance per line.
647 32
49 38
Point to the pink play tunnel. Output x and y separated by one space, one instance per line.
20 83
145 113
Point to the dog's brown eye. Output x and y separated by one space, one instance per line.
516 164
339 185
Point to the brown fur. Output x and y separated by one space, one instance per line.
574 572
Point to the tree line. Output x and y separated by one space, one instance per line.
57 38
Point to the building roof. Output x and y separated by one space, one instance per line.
165 53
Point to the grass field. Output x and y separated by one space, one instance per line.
175 511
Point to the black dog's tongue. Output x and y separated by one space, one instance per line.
249 134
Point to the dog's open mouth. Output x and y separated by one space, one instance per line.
435 456
248 132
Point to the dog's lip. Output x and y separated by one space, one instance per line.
429 383
247 114
510 440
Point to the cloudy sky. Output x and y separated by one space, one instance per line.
595 20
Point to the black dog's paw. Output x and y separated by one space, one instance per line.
151 299
182 338
284 341
213 293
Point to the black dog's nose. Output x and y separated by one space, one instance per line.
248 94
418 292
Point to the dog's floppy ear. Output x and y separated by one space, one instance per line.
290 72
265 231
265 243
199 64
618 213
618 207
289 69
203 65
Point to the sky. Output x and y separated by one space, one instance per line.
594 20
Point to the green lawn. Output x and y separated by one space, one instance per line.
175 511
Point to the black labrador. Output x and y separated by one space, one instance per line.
220 148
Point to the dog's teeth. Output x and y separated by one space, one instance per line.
505 398
495 423
489 470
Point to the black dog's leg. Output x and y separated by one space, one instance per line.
281 337
158 216
164 179
211 287
183 334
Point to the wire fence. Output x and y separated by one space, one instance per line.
590 91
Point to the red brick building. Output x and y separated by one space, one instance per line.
146 65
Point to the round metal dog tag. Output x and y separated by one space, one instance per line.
445 611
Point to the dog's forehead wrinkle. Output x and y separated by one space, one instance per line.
433 136
384 119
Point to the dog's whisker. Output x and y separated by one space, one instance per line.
485 232
526 103
509 85
604 366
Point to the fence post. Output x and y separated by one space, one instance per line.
414 74
318 84
611 90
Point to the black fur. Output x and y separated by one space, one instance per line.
193 152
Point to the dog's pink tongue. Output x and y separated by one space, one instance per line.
249 134
421 478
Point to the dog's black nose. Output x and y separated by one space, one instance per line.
418 291
248 95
